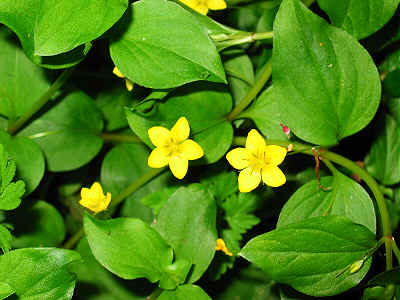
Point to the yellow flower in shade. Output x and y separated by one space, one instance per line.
222 247
202 6
257 161
128 83
94 198
173 148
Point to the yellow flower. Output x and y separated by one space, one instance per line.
128 83
202 6
173 148
94 198
222 247
257 161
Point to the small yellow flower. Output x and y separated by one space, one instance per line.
128 83
257 161
222 247
202 6
173 148
94 198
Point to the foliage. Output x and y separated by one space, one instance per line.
288 112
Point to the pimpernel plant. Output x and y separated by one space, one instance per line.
199 149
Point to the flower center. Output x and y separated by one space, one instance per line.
172 148
258 160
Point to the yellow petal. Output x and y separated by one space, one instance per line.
273 176
222 247
248 180
157 158
216 4
201 8
178 166
97 190
275 154
192 4
159 136
191 150
129 85
255 142
85 193
181 130
238 158
117 72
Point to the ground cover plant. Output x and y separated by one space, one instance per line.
199 149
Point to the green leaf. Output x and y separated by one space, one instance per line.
187 222
360 18
175 274
311 255
221 184
184 292
325 82
46 225
123 165
41 273
157 199
128 247
205 105
16 70
112 103
94 281
383 159
156 49
10 192
68 133
47 28
5 240
386 278
266 115
238 212
240 73
28 158
345 198
5 290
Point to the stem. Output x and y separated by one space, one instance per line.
252 94
17 125
115 137
134 186
73 240
380 200
155 294
396 250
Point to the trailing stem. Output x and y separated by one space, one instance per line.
18 124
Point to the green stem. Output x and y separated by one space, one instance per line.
352 166
380 200
155 294
119 138
396 250
12 129
133 187
73 240
252 94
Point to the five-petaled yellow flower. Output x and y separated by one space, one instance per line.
257 161
222 247
202 6
128 83
173 148
94 198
